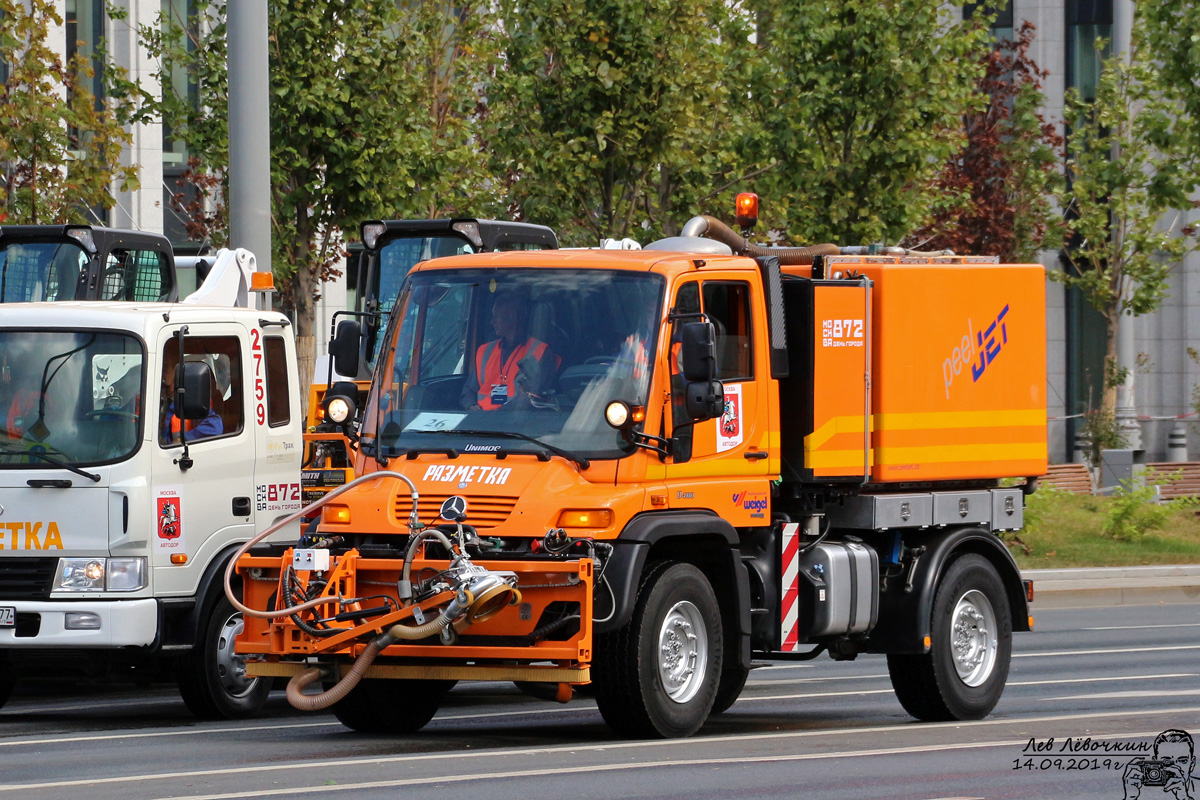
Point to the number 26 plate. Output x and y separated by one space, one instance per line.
8 616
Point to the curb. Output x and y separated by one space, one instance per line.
1114 586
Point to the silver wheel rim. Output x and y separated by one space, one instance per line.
974 642
231 668
682 651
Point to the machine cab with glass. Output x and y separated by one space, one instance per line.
84 262
524 359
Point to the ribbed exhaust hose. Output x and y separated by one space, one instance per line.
713 228
316 702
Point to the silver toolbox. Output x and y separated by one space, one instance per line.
875 512
962 508
1008 509
839 589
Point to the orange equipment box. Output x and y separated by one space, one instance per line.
957 350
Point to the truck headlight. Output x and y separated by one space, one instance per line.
100 574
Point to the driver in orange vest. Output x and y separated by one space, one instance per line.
514 362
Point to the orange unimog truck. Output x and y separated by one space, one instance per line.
702 454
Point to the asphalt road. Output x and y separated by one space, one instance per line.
821 729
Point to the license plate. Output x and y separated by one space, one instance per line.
8 616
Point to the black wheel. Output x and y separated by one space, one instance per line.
8 679
213 678
963 674
390 706
729 688
657 676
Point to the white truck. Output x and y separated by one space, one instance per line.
117 514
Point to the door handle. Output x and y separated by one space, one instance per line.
755 455
241 506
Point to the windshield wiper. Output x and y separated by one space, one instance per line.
558 451
50 460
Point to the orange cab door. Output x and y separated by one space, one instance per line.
727 470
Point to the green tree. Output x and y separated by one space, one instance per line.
608 118
1172 33
1127 192
59 151
859 103
374 113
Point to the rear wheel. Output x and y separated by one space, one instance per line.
963 674
657 676
213 679
390 706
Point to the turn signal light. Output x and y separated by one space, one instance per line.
178 558
585 518
338 514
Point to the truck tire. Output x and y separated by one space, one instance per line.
657 676
963 674
212 678
729 689
391 706
8 679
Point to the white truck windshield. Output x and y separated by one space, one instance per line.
534 352
75 396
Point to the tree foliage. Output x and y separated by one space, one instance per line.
1009 169
59 151
858 104
374 110
1127 194
609 116
1172 30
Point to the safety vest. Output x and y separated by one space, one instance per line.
22 412
493 373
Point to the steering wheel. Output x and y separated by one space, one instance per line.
600 360
101 412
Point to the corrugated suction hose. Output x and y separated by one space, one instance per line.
713 228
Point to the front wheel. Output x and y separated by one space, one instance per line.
657 676
8 679
963 674
213 679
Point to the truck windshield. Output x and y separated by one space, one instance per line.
34 271
75 396
535 352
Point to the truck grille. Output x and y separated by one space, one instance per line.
483 513
26 578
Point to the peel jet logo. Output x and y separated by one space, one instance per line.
978 349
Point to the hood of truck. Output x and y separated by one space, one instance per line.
515 496
53 522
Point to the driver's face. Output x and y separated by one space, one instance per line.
505 320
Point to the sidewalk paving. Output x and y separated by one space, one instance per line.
1114 586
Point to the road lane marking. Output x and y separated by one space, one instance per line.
617 767
1140 627
1108 651
536 709
906 727
1134 693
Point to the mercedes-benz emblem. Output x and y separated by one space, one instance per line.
454 508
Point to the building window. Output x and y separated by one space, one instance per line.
85 28
1087 21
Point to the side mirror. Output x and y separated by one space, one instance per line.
704 400
344 348
197 390
698 352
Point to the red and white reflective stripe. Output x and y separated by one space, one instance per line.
790 589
